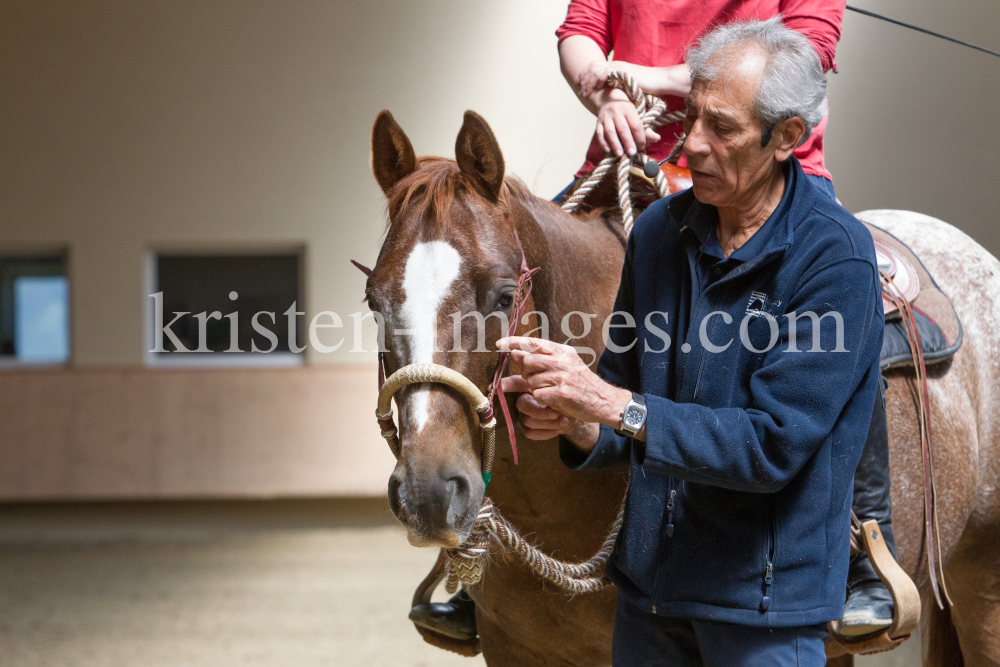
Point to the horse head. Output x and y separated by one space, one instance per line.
444 287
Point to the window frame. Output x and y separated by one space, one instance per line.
43 251
204 360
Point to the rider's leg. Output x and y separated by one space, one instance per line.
869 605
455 618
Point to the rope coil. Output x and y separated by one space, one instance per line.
653 113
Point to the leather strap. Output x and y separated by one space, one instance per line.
520 299
868 537
931 526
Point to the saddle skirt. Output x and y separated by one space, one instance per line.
937 322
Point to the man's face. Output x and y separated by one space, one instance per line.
723 149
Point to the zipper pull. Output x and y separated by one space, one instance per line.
768 580
670 513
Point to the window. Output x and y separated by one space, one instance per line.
230 309
34 310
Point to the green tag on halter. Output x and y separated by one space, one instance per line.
486 480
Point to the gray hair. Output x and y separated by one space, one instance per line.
793 83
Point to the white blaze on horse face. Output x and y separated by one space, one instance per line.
430 270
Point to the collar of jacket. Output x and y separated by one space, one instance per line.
690 216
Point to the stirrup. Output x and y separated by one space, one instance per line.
469 648
905 598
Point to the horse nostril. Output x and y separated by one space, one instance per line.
459 486
458 496
394 501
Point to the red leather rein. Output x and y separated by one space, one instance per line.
521 295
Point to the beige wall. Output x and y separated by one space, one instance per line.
913 121
131 126
127 127
140 433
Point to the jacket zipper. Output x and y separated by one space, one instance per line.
670 512
670 533
704 353
765 602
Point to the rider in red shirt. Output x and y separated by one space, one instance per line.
648 39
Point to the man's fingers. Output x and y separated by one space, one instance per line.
533 434
536 424
527 405
651 136
533 364
514 383
533 345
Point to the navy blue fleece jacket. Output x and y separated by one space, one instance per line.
739 502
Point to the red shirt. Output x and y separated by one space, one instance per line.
656 33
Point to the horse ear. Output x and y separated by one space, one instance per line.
479 157
393 158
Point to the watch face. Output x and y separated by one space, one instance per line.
633 417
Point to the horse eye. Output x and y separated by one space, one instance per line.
505 301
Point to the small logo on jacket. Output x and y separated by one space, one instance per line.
760 304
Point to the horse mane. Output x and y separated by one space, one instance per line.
434 185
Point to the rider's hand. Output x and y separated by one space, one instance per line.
619 129
595 75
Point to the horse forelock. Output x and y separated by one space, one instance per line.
435 185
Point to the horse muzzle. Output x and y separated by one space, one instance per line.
438 510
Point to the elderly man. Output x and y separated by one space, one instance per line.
742 394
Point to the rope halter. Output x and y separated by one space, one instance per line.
422 373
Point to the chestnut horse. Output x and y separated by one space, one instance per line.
450 248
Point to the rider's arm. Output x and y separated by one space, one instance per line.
577 54
820 21
660 81
585 41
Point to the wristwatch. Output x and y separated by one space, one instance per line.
633 416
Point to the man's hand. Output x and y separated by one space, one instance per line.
539 422
562 395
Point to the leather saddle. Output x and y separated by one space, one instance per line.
937 322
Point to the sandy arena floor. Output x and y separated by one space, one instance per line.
298 584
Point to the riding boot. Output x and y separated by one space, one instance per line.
869 605
455 618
